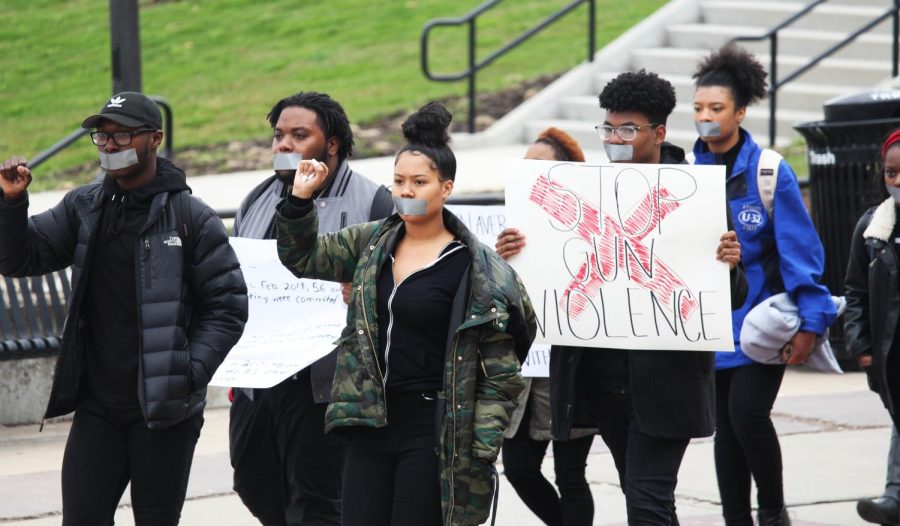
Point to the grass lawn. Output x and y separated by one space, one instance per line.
223 63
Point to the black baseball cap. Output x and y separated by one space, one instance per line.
128 108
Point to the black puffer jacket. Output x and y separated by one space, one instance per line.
186 326
872 289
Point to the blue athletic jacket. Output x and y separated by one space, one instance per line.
783 253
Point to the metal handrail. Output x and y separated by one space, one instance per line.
772 35
68 140
470 19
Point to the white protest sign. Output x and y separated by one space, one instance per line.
292 323
485 222
537 363
623 255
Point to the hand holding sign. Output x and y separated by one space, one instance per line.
509 243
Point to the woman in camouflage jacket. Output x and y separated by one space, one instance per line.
489 327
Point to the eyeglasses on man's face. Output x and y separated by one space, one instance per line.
120 138
627 132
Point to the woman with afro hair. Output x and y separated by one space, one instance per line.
781 253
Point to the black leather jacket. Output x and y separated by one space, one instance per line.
187 326
872 290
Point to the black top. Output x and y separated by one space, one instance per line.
414 317
728 158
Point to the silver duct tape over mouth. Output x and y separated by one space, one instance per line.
118 160
708 129
895 193
618 152
410 207
286 162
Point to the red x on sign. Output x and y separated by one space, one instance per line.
617 244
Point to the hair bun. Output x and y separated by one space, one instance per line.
429 125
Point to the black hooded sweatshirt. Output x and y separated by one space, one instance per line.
112 332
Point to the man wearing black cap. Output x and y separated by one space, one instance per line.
158 300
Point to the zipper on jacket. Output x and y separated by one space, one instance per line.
146 259
369 335
387 345
453 454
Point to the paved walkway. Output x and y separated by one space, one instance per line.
834 434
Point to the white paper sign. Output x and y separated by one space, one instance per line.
292 323
537 363
486 222
623 255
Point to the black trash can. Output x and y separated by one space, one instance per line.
844 154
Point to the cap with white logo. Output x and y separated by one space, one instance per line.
129 108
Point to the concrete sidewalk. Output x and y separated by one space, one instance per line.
834 436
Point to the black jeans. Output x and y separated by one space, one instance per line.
647 465
105 451
392 476
287 471
746 443
522 458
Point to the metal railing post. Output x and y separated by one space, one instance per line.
896 34
472 75
773 87
592 29
125 40
474 65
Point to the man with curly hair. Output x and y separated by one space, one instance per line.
647 405
287 471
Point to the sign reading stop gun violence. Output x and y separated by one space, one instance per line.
623 255
292 323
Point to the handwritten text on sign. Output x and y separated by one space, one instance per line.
292 323
623 255
486 222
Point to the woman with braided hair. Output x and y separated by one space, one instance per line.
781 253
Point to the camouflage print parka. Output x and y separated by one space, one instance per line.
482 375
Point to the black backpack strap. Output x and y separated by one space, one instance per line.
382 204
185 230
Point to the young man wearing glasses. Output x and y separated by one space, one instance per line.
647 405
158 300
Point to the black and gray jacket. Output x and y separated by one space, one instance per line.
187 326
872 289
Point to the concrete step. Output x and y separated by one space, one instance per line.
793 96
834 71
826 17
883 4
798 42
